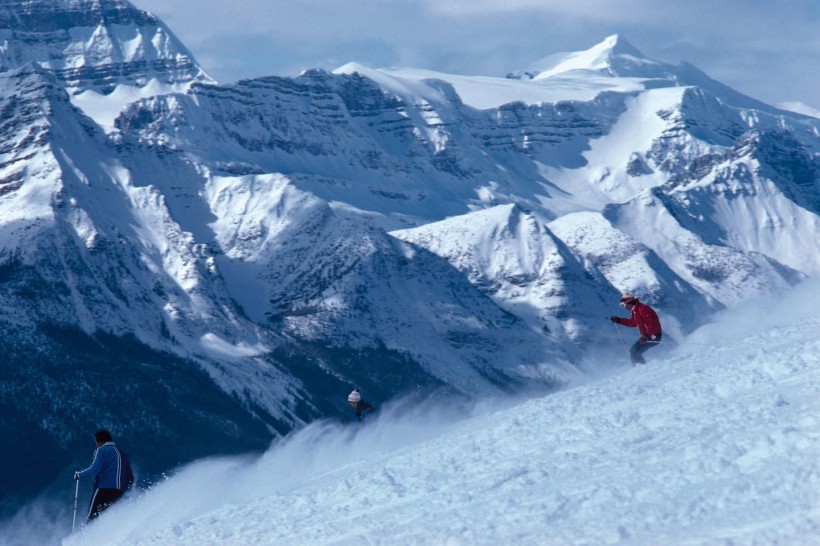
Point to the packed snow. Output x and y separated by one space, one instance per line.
715 441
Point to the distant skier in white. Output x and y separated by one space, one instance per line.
646 320
112 474
356 402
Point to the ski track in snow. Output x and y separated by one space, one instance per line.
717 443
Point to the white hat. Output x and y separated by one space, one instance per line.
354 396
628 298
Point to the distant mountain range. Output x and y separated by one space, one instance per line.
203 266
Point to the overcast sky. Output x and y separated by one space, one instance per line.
769 49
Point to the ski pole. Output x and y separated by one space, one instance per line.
76 494
619 335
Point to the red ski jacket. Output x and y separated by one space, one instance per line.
645 318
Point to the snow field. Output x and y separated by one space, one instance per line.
718 443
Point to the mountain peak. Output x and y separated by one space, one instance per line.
93 44
613 56
616 44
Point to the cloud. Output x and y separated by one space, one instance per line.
588 9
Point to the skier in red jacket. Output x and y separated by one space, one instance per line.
646 320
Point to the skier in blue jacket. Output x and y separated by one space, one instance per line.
112 473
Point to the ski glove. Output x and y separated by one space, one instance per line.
643 340
615 320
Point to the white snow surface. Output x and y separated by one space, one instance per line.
604 57
104 109
484 92
714 442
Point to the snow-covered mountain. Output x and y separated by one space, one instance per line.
93 44
645 160
227 261
105 52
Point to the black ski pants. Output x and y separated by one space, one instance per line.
638 349
102 499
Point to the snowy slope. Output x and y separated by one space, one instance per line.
513 256
715 443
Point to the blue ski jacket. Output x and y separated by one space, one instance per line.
110 468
